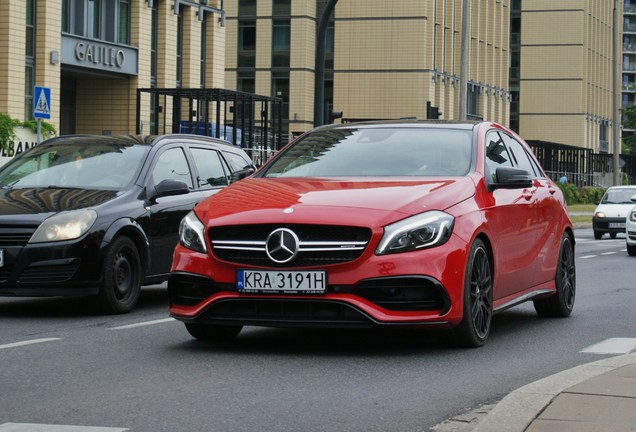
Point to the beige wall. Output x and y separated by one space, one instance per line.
12 46
566 71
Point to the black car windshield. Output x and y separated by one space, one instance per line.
366 152
619 196
77 165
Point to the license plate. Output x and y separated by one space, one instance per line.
286 282
616 225
1 257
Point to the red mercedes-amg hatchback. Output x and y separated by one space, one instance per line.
411 224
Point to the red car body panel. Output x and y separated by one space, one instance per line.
522 228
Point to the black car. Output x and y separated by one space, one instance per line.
99 215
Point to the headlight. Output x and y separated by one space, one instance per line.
632 216
599 215
64 226
191 233
417 232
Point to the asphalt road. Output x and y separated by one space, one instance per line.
61 364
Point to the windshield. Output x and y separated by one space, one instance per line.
386 151
619 196
78 165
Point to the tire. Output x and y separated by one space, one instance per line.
121 277
213 332
560 304
474 329
631 250
612 235
598 235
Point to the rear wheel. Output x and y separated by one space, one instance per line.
213 332
121 277
474 329
562 302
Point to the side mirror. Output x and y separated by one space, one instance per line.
511 178
168 188
238 175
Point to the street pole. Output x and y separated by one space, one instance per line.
616 100
464 66
319 79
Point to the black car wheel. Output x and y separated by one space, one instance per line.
598 235
562 302
121 277
212 332
631 250
613 235
474 329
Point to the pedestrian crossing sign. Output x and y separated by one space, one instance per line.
42 102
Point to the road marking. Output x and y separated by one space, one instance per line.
141 324
29 342
587 256
32 427
608 253
611 346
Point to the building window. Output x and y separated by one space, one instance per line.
247 7
107 20
204 49
29 56
280 43
247 44
280 89
472 102
281 8
179 49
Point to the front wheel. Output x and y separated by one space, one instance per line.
598 235
560 304
121 277
213 332
612 235
631 250
474 329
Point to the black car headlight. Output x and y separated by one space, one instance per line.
64 226
191 231
421 231
632 216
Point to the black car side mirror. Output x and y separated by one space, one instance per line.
511 178
168 187
238 175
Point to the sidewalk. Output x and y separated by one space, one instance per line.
598 396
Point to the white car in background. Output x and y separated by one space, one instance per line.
612 212
630 230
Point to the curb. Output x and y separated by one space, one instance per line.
516 411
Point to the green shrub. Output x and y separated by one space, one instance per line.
586 195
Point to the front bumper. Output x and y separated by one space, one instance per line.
420 288
608 225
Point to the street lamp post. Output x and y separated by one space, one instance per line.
319 80
616 99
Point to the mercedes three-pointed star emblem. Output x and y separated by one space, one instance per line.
282 245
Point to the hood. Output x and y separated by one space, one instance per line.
621 210
32 201
365 202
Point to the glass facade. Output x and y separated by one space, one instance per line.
29 56
107 20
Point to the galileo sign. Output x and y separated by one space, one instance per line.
96 54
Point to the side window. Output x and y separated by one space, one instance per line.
172 165
496 154
237 162
519 155
210 167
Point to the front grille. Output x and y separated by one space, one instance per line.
35 274
285 312
318 245
189 290
16 236
5 271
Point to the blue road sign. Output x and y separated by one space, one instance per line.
42 102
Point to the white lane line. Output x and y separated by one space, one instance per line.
608 253
611 346
141 324
587 256
29 342
32 427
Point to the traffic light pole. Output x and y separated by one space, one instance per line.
319 79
